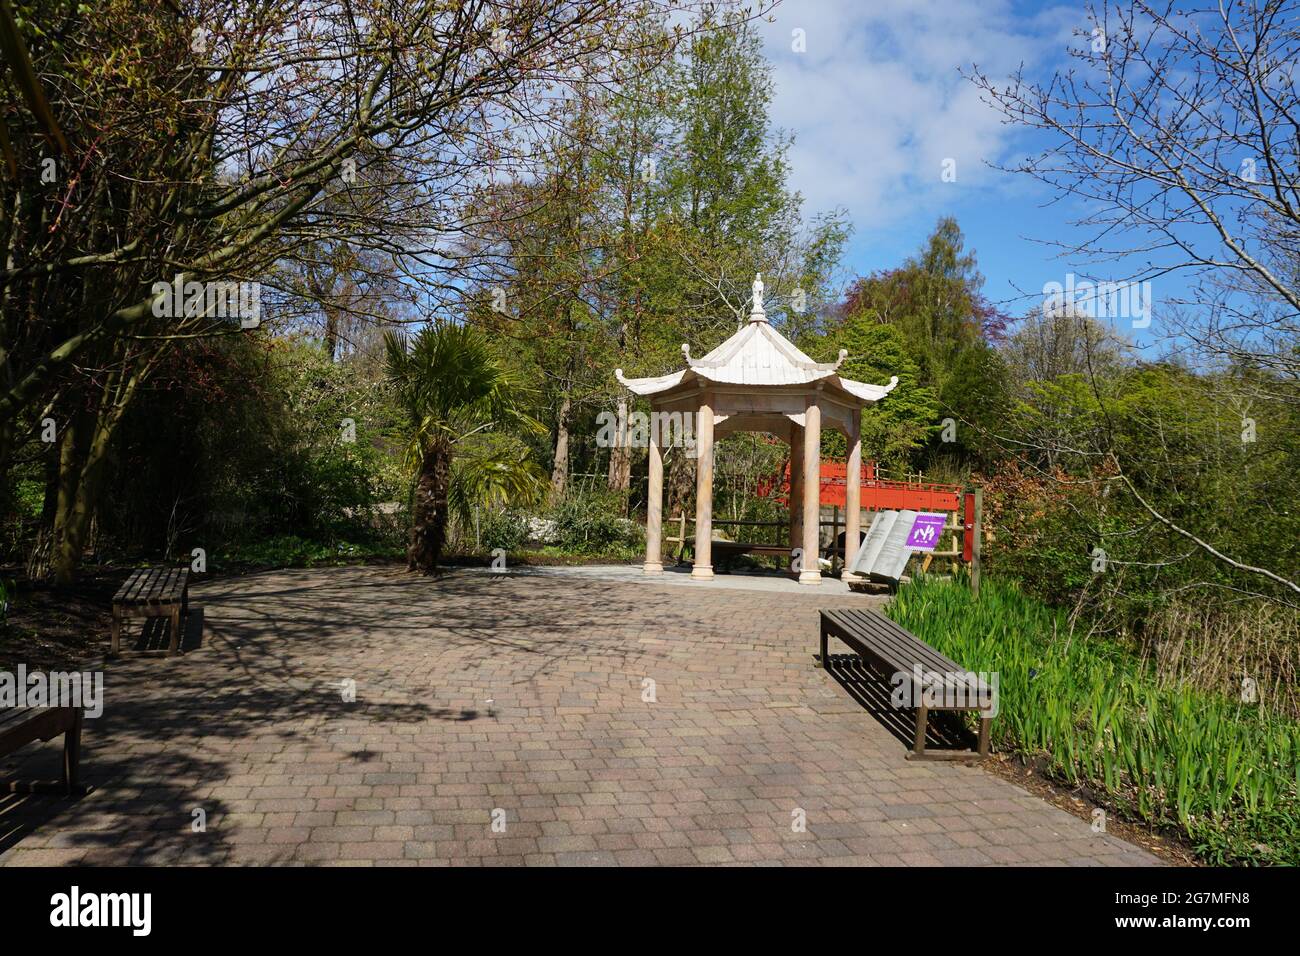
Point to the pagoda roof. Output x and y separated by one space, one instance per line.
757 356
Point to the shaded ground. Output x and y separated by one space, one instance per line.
596 722
50 628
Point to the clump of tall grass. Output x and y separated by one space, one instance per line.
1223 770
1225 646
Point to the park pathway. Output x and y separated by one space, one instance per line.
514 719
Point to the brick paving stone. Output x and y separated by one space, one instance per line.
744 730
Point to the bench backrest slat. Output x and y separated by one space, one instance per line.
908 644
903 647
904 651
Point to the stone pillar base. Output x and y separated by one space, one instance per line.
810 577
652 567
848 577
702 572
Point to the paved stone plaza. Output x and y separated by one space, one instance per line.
601 720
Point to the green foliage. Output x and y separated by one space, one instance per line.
28 497
895 429
977 396
740 462
1178 438
451 385
243 439
591 522
491 472
459 399
727 171
927 323
504 528
291 551
584 522
1226 773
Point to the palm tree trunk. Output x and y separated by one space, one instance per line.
429 514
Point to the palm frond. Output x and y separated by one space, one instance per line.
453 387
491 475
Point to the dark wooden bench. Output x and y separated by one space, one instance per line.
936 683
23 725
153 592
726 552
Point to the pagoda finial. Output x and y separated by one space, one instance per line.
757 314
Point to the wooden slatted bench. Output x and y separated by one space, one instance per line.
935 681
726 552
153 592
23 725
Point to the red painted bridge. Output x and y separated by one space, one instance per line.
878 494
883 494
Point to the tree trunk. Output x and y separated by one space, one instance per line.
620 468
64 557
83 461
331 332
76 511
560 471
620 456
680 482
429 514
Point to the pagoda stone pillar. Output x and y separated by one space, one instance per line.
795 498
654 510
810 570
703 566
853 496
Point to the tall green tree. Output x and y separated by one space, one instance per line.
942 330
893 430
454 389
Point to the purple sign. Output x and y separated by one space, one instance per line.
926 532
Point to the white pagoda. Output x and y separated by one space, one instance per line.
759 381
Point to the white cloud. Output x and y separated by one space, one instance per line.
876 102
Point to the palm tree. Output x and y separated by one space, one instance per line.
461 402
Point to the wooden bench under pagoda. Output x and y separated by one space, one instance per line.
725 553
161 591
934 681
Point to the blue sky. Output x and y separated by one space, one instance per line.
876 104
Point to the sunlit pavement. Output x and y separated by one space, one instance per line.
535 718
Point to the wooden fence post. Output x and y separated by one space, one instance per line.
835 534
975 544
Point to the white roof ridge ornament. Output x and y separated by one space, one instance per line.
757 356
756 313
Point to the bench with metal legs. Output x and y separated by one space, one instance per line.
933 681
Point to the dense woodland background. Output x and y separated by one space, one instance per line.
559 190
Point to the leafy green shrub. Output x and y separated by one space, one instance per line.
503 528
263 438
591 522
1225 772
29 496
290 551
